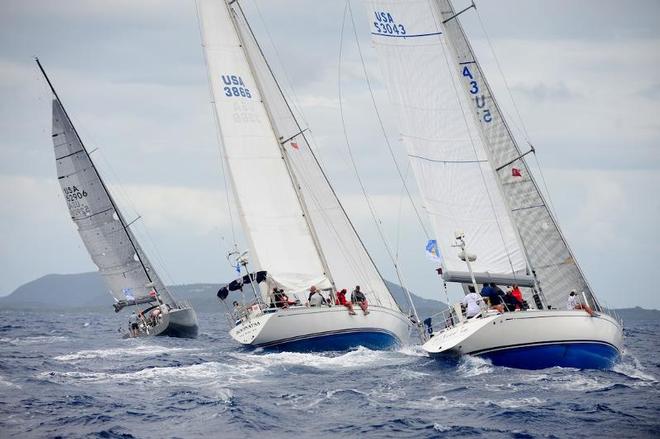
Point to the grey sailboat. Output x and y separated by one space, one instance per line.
128 274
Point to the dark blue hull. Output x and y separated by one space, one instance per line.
343 341
578 355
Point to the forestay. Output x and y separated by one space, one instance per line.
112 246
270 210
446 150
348 260
549 255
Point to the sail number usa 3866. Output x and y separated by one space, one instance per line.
234 87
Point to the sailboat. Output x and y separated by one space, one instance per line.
128 274
491 222
298 233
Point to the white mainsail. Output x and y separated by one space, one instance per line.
328 232
271 213
425 40
125 268
446 150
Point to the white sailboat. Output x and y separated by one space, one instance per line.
124 266
491 221
298 233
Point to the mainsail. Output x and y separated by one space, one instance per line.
427 37
125 268
295 170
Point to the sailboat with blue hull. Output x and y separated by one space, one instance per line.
493 227
302 247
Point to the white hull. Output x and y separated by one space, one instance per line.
323 328
534 339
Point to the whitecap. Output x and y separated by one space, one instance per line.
630 366
40 339
6 383
470 366
356 359
520 402
140 351
206 374
441 428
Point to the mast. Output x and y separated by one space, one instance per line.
281 140
504 154
98 175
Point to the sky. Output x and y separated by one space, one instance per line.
584 77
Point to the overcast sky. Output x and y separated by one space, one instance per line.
584 75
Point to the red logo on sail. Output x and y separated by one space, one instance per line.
294 145
515 172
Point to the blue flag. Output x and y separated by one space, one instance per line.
128 292
432 251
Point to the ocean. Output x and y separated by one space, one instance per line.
72 375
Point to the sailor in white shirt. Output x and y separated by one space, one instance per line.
573 303
471 301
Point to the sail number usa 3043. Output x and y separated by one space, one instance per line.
384 24
234 87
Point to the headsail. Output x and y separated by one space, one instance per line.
543 245
446 150
271 213
125 268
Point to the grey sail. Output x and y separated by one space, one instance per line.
551 259
125 268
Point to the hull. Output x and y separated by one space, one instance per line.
179 322
182 323
534 340
306 329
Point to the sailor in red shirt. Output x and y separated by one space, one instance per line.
341 300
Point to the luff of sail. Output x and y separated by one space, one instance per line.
548 253
122 263
445 147
272 217
345 254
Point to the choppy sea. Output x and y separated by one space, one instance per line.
71 375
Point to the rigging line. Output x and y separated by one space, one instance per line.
515 107
474 148
499 68
218 133
355 263
294 98
382 125
398 220
354 164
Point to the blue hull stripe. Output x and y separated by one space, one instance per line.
581 355
376 339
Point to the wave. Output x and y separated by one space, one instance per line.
356 359
138 351
630 366
210 375
6 383
469 366
39 339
